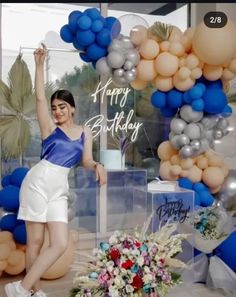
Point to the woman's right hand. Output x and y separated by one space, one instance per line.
40 54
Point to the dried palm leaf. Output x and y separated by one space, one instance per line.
161 30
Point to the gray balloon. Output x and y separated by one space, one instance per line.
183 140
190 115
227 192
118 72
192 131
217 134
128 65
102 67
115 59
186 151
129 76
222 124
177 125
133 56
205 145
134 70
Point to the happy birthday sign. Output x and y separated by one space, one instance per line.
120 122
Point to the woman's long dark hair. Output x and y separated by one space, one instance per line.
63 95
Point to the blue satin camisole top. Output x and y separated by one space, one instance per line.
61 150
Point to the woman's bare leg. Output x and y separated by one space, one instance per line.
58 242
35 239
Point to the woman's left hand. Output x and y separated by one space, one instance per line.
101 174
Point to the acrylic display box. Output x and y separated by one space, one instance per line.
101 211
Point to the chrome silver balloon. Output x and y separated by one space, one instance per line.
186 151
128 65
118 72
115 59
190 115
192 131
133 56
217 134
183 140
102 67
129 76
227 193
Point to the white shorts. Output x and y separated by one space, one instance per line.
44 193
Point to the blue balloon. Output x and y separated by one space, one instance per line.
93 13
66 34
215 100
9 198
186 97
95 52
217 84
227 111
158 99
197 199
168 112
18 176
97 26
196 92
85 38
78 46
174 98
202 86
114 25
73 19
84 22
85 57
6 180
206 198
19 234
199 187
186 183
103 38
8 222
198 105
226 251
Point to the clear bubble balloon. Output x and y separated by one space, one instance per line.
153 166
128 21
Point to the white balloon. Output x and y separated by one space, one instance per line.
115 59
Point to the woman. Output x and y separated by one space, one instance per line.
44 191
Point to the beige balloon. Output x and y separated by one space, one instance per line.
166 64
138 34
183 73
196 73
3 264
163 83
165 150
176 48
215 46
5 236
164 46
149 49
213 176
146 70
138 84
191 61
16 262
232 65
62 265
212 72
5 251
186 163
227 74
183 85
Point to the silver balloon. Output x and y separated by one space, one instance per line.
205 145
209 122
133 56
119 81
128 65
129 76
190 115
196 145
115 59
183 140
174 140
134 70
227 192
192 131
102 67
118 72
177 125
126 42
222 124
153 166
217 134
116 45
186 151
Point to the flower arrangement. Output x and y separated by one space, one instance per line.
209 225
132 265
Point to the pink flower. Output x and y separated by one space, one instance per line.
103 278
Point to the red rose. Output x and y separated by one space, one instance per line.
137 282
138 244
114 254
127 264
